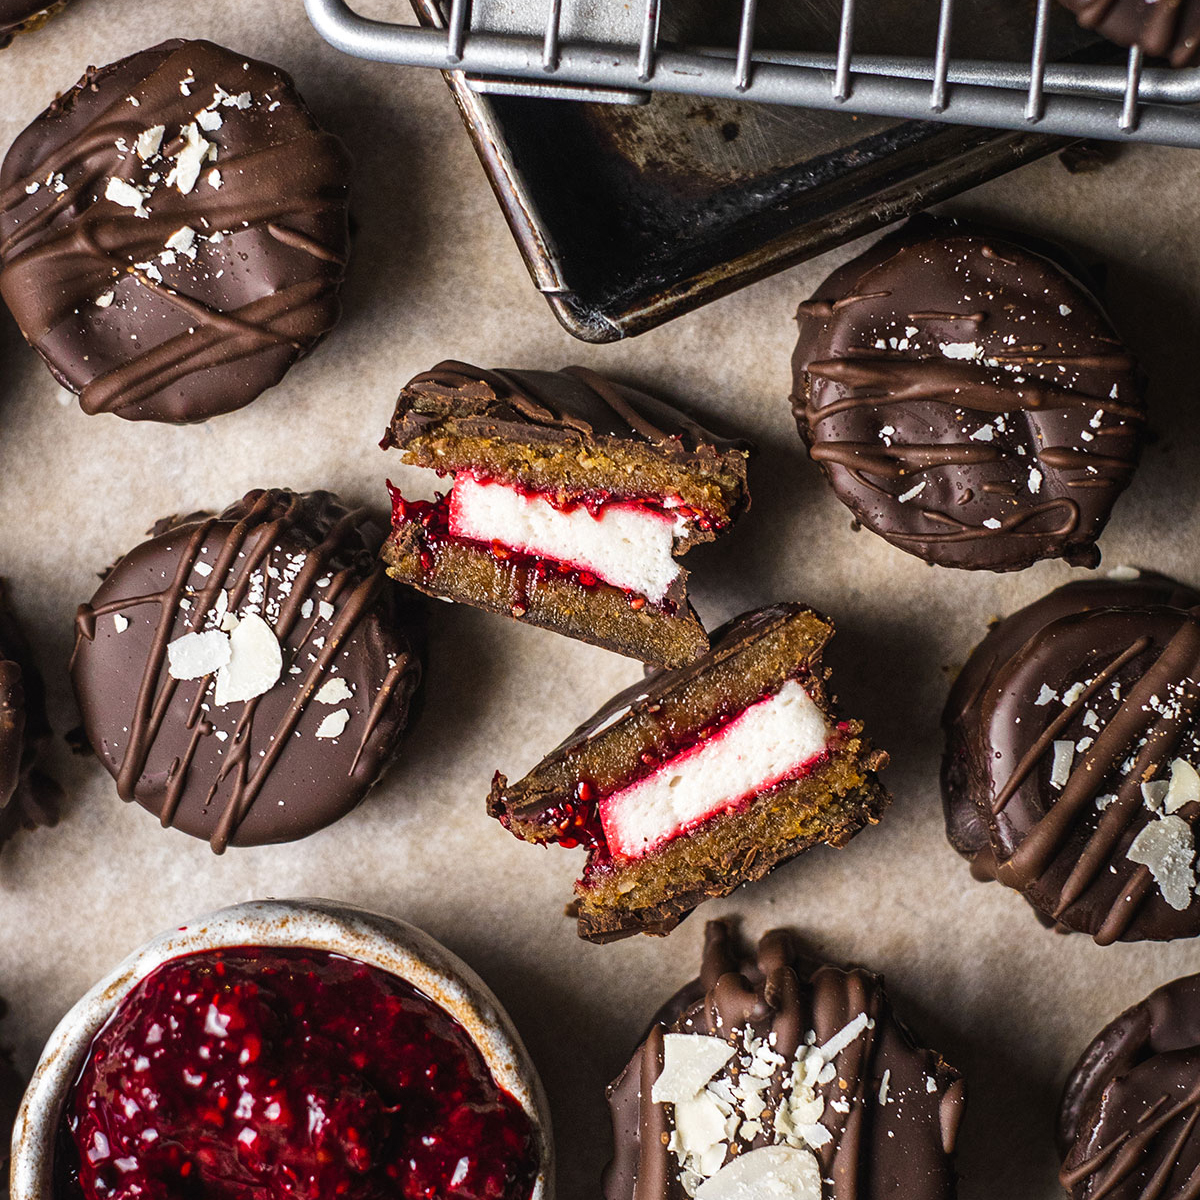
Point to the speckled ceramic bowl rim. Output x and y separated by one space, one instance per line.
384 942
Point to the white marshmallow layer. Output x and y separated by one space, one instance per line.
757 749
624 544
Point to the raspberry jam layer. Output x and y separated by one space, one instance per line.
596 538
265 1074
722 768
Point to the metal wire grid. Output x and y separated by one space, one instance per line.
1131 103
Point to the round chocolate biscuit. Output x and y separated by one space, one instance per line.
174 233
967 399
1167 29
1127 1120
1072 742
246 677
783 1072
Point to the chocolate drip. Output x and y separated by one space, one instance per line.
126 315
1128 1122
1112 668
250 771
971 439
900 1148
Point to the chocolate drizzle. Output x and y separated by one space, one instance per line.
1111 670
259 770
988 438
1128 1120
899 1147
160 292
1167 29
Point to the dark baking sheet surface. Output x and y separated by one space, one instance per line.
629 215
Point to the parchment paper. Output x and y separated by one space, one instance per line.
436 275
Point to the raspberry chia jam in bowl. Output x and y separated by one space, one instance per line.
285 1050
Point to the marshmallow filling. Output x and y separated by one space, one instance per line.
776 739
625 544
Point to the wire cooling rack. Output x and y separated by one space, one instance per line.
538 47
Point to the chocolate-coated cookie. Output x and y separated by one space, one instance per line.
173 232
771 1073
21 16
246 677
1167 29
1127 1122
1072 747
967 399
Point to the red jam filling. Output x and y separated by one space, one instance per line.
433 517
576 822
265 1074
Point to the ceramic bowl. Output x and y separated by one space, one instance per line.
383 942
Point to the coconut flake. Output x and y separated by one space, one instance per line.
149 141
690 1060
1060 769
255 662
768 1173
1183 788
124 193
1166 846
334 691
195 655
334 724
190 159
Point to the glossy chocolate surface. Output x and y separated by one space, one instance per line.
173 232
891 1109
967 399
1062 734
279 764
1127 1123
573 405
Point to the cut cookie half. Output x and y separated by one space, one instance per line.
702 778
570 500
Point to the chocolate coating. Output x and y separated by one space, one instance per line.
1167 29
280 764
898 1149
187 293
1127 1121
1112 667
27 797
19 16
967 399
573 406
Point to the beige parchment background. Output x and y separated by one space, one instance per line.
436 275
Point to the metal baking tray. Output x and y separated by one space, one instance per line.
630 214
